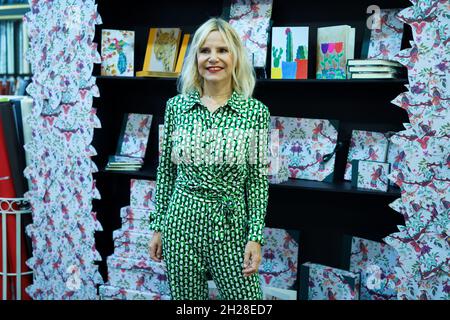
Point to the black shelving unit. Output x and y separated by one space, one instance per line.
323 212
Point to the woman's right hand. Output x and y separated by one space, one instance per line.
155 247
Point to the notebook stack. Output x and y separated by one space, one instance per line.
374 69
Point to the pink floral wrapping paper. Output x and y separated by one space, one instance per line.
423 177
62 122
320 282
365 145
370 175
386 38
305 143
376 262
142 194
138 274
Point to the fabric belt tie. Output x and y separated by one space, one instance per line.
227 207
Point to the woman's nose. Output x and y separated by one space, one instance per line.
212 57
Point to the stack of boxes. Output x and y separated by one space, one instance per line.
132 275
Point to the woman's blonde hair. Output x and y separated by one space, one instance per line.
243 75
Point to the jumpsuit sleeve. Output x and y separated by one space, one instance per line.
166 173
257 183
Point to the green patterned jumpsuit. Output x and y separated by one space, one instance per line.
212 194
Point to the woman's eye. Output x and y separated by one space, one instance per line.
204 50
223 50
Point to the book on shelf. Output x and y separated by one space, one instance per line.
289 53
372 69
183 51
134 135
125 160
162 49
374 75
373 62
132 143
335 45
117 53
121 169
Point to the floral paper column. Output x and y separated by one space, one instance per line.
424 172
62 55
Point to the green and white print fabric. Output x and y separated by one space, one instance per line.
217 157
212 194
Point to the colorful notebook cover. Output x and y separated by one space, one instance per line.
133 138
365 145
376 262
310 146
386 35
335 45
251 20
318 282
117 53
371 175
279 263
289 53
162 49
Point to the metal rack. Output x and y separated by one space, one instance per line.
16 207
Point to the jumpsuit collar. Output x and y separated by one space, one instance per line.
236 101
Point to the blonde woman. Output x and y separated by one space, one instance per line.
212 185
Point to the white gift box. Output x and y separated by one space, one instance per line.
138 274
116 293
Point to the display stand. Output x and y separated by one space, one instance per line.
15 207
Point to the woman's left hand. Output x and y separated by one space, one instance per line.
252 258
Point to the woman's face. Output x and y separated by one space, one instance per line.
214 60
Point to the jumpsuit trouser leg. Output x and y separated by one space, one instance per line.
190 250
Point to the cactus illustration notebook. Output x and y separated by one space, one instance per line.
289 53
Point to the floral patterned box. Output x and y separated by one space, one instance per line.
271 293
134 135
318 282
395 157
118 293
251 20
365 145
136 220
137 274
280 259
376 262
370 175
142 194
132 244
309 145
386 38
117 53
